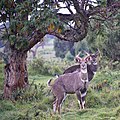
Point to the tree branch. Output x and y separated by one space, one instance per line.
99 9
68 7
36 37
65 17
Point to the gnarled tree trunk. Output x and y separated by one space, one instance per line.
16 75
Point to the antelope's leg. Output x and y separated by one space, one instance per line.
83 95
60 101
65 95
79 99
55 105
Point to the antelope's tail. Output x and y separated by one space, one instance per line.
48 83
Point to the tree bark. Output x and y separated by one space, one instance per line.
16 75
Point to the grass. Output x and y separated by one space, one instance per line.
102 103
39 79
90 114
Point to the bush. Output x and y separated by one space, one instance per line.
69 56
113 99
111 77
36 66
6 106
39 66
93 100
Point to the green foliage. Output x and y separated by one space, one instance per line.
105 39
69 56
39 66
24 18
62 47
32 93
6 106
93 100
113 100
106 75
112 45
81 46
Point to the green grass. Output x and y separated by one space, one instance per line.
36 102
92 114
39 79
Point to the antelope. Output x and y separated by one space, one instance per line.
70 83
92 67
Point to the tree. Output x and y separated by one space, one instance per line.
30 20
81 46
85 12
106 39
62 47
112 46
21 35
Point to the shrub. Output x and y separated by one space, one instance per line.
36 66
32 93
39 66
69 56
113 99
93 100
6 106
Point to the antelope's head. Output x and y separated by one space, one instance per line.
82 61
93 62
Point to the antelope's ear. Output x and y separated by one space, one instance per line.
78 59
75 59
88 59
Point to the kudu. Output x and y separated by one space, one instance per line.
70 83
92 67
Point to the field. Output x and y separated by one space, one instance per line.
35 103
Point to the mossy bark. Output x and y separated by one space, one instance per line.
16 74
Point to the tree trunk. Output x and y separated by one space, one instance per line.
16 75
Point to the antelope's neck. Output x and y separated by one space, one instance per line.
84 75
84 71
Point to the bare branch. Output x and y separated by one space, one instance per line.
76 5
68 7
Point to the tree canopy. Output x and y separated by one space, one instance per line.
30 20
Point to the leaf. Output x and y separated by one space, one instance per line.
51 27
59 30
